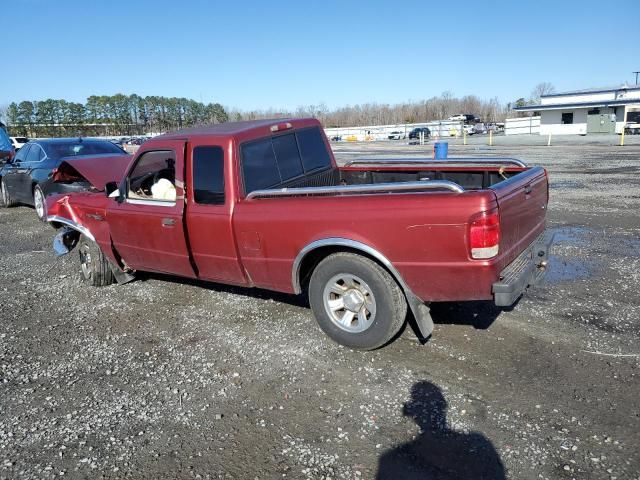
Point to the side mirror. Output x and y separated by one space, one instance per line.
112 191
110 188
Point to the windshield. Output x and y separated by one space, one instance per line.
75 148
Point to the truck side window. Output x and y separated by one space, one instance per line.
259 166
208 175
313 150
154 177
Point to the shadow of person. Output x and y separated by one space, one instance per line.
439 453
479 314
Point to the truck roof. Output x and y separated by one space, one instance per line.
234 128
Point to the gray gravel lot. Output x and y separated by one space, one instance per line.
164 379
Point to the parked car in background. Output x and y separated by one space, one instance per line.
415 133
6 147
26 178
396 135
479 128
19 142
469 129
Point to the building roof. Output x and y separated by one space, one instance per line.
564 106
593 90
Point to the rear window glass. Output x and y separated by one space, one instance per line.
259 165
313 150
74 149
286 150
208 175
272 161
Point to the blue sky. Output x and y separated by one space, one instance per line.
285 53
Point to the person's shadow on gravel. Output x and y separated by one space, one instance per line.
438 452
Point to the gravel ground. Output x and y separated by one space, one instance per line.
164 379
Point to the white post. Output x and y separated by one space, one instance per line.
549 140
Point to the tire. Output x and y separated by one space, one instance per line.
39 203
94 267
7 200
356 302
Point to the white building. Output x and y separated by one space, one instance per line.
582 112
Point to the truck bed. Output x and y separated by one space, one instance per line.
423 231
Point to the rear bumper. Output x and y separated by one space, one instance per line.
527 269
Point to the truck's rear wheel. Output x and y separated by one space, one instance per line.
94 267
356 302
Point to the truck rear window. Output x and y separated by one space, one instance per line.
272 161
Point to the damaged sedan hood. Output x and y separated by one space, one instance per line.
98 170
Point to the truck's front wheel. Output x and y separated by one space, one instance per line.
356 302
95 269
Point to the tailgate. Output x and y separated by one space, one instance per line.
522 202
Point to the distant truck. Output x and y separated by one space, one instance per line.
466 118
264 204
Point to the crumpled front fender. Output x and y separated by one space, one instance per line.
65 241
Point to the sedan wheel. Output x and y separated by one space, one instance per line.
39 204
7 201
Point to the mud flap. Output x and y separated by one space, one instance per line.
421 314
121 276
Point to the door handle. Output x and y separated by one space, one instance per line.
168 222
527 189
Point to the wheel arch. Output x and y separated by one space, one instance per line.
71 224
313 253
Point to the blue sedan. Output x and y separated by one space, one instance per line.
25 178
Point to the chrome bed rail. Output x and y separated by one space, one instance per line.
427 161
368 188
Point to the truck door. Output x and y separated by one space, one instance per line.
209 213
11 177
147 226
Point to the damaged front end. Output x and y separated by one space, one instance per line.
65 241
82 215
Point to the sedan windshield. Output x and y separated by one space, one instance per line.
77 148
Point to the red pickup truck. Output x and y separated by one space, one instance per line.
264 204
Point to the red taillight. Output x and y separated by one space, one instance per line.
484 234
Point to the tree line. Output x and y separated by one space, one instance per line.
113 115
119 115
435 108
